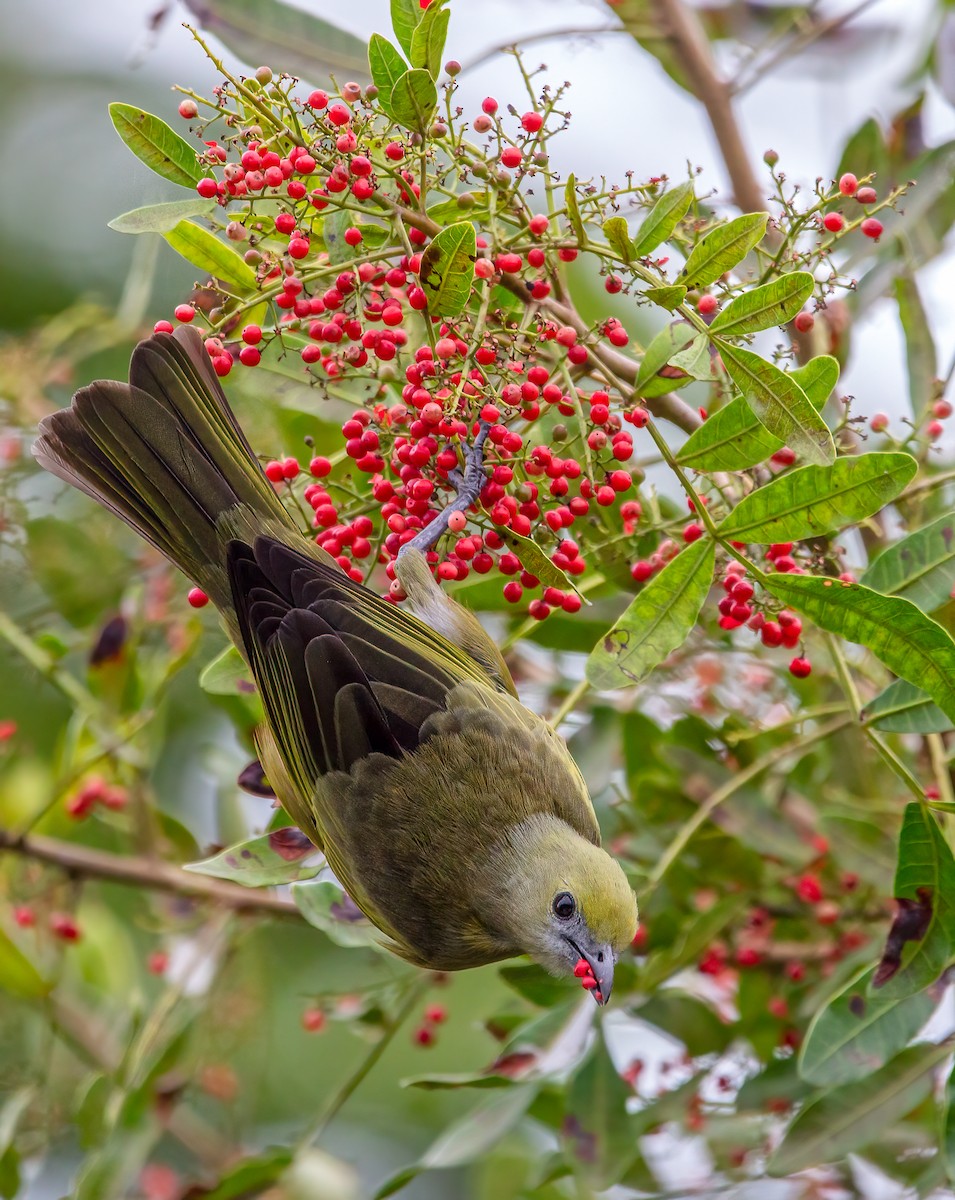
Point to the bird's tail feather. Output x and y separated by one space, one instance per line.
166 454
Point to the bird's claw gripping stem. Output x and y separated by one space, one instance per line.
467 487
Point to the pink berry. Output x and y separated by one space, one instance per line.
707 304
804 322
872 227
867 195
834 222
848 184
879 421
188 109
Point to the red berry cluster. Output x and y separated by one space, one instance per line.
427 1032
584 972
93 792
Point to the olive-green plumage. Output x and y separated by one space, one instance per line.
453 815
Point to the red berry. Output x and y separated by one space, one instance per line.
435 1014
197 597
942 409
162 327
313 1020
866 195
848 184
872 228
250 356
641 571
804 322
157 962
274 472
207 188
692 532
425 1036
800 667
188 109
809 888
65 927
298 247
879 421
184 313
532 121
511 157
834 222
707 304
489 105
24 916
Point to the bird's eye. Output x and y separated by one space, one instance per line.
564 906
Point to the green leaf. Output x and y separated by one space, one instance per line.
618 236
598 1139
405 15
333 235
160 218
447 269
275 858
763 307
662 219
536 561
413 100
387 66
723 248
469 1137
324 905
948 1127
925 875
227 675
855 1114
669 341
84 576
204 250
734 438
155 144
920 567
858 1032
573 209
18 976
779 402
427 41
920 354
669 298
252 1175
465 1079
285 36
815 500
904 708
535 984
910 644
657 622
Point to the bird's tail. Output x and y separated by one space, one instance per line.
166 454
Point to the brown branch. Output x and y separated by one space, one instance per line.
687 37
87 863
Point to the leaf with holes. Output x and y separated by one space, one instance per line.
155 144
723 248
275 858
763 307
447 269
816 500
204 250
779 402
657 622
856 1033
920 567
662 219
911 645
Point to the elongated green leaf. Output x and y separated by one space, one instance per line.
413 100
573 209
696 359
275 858
18 976
536 561
616 232
816 500
855 1114
779 402
856 1033
662 219
734 438
669 341
323 904
160 218
666 297
405 15
920 355
283 35
204 250
155 144
921 567
447 269
723 248
251 1176
925 876
763 307
910 644
904 708
227 675
657 621
427 41
599 1141
387 66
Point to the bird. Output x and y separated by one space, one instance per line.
453 816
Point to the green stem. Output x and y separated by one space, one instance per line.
418 985
570 702
47 666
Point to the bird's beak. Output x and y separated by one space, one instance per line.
602 963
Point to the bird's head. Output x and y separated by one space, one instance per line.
566 900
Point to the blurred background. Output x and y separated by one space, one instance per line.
222 1014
